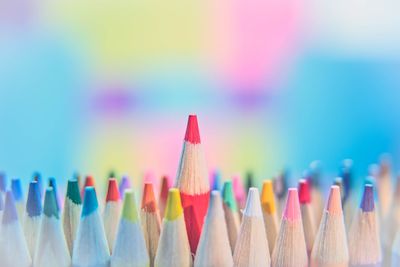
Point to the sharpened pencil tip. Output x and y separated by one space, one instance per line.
267 197
34 202
174 207
112 192
228 196
125 184
192 130
253 204
304 192
367 202
16 188
148 199
292 209
73 191
334 205
50 203
90 203
129 210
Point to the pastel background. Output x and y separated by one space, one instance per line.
91 86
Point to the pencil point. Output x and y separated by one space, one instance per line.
129 210
192 130
304 192
10 211
112 192
125 184
334 204
174 207
228 195
50 204
148 199
73 191
16 188
292 209
90 201
267 197
34 202
367 202
89 181
253 205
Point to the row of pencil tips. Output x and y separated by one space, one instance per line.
41 232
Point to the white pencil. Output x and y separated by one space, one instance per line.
214 249
173 248
252 244
90 246
72 212
130 246
307 214
290 247
270 213
33 217
364 242
330 246
112 212
52 249
13 248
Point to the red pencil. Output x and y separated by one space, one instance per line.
192 181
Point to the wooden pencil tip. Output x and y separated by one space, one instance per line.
89 181
90 203
292 209
174 207
112 192
228 195
367 202
334 205
253 204
50 208
73 191
129 210
304 192
148 199
192 130
267 197
34 201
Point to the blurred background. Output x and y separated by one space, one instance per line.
94 86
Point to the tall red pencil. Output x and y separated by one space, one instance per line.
192 181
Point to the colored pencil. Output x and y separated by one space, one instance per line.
290 247
339 182
112 211
252 244
231 211
384 186
13 248
239 191
130 246
314 178
124 184
162 201
307 214
52 249
391 224
193 183
271 221
16 187
33 217
53 184
216 180
173 248
150 221
250 181
364 239
330 246
90 246
3 182
214 249
72 212
89 182
37 177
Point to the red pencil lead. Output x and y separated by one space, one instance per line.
304 192
192 130
148 200
113 192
